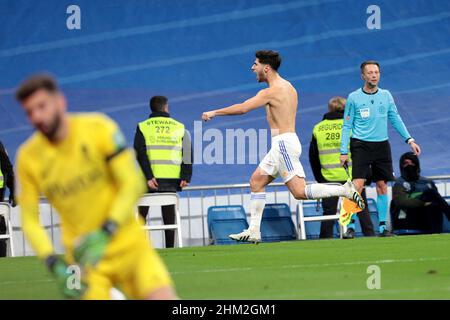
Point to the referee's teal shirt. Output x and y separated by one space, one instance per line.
367 114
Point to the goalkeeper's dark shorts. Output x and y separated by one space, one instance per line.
371 160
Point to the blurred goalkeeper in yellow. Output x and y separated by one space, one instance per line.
81 164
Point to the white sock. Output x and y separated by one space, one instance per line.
320 190
257 203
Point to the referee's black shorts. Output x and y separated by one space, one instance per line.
372 159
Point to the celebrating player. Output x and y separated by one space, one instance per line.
81 164
280 100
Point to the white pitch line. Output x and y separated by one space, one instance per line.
313 294
322 265
25 281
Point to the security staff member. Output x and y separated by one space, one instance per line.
324 159
6 180
164 153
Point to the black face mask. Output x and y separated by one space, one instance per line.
410 173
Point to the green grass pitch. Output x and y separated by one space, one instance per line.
413 267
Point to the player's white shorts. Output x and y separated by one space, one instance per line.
284 157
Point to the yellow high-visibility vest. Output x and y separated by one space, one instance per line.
164 140
328 137
2 182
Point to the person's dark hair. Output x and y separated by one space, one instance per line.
365 63
272 58
35 83
410 173
157 103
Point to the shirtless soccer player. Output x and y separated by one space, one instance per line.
81 164
280 100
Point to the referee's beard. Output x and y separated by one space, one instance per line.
371 85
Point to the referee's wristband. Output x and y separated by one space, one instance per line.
409 140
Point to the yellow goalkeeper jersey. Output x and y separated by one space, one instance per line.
88 177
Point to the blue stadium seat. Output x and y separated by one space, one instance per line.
224 220
358 229
310 209
277 224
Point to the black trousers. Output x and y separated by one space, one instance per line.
329 206
168 215
2 226
427 218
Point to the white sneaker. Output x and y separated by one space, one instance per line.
352 194
247 235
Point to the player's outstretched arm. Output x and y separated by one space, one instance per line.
261 99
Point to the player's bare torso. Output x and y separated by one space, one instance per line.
282 107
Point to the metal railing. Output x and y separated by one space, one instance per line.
227 189
224 191
216 190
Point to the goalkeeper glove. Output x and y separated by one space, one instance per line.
91 248
59 269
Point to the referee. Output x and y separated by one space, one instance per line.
366 115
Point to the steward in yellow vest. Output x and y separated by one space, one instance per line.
164 153
324 157
327 135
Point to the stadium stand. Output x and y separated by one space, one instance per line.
118 59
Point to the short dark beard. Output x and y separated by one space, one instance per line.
56 124
371 86
261 77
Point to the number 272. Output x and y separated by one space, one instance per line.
162 129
